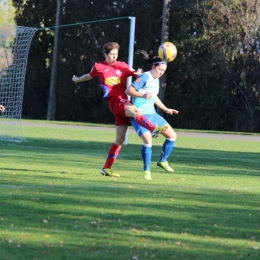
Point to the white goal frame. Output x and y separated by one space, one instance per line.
14 48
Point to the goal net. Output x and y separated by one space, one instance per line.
14 47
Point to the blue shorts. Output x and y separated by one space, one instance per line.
154 118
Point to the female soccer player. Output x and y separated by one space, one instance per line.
2 108
144 91
112 75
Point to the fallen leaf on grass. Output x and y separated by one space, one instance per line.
155 226
141 239
136 230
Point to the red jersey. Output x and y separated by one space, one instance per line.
112 78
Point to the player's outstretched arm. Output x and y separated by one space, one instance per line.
84 77
165 109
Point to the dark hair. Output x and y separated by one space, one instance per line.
110 46
155 60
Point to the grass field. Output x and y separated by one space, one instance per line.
55 204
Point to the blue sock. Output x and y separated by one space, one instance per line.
166 150
146 152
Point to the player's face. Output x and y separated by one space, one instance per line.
158 71
111 56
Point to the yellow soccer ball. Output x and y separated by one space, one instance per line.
167 51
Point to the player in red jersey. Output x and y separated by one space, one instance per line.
112 75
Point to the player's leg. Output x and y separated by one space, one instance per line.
115 147
146 152
167 148
146 149
133 112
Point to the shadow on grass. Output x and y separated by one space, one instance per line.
115 222
248 162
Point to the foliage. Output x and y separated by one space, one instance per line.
232 30
7 14
37 15
213 82
7 34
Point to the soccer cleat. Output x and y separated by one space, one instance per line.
109 172
165 166
159 129
147 174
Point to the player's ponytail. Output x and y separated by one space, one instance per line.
150 58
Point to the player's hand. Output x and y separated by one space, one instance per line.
147 95
2 108
75 78
139 71
171 111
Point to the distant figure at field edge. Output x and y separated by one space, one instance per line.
2 108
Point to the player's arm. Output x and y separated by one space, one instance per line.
165 109
132 92
84 77
137 72
130 71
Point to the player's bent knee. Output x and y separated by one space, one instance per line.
170 134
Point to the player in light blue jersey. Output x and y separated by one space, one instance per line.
144 91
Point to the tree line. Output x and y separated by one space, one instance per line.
213 82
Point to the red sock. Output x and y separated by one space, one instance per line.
112 155
144 122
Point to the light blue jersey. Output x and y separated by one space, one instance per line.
143 84
146 83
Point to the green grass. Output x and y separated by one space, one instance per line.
56 205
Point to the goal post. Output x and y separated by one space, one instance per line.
15 42
130 60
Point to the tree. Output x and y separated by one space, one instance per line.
54 68
213 82
232 28
7 28
7 13
37 14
